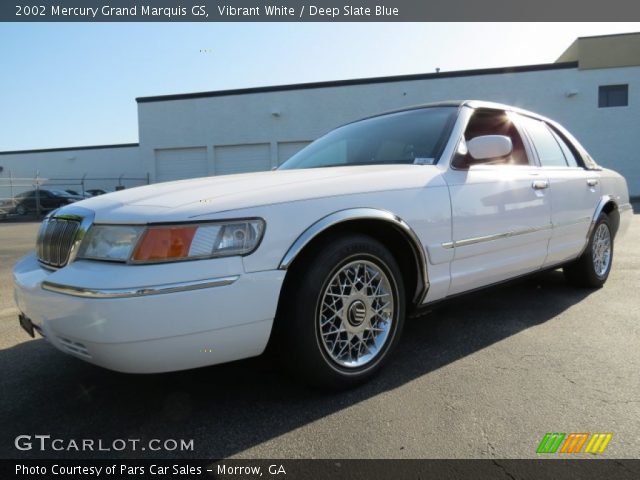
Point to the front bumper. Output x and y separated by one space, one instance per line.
149 324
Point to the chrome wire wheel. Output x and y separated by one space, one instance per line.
601 250
356 314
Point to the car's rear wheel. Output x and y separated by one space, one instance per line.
343 314
592 268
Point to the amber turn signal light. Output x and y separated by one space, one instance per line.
164 243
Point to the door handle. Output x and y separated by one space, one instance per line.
540 184
592 182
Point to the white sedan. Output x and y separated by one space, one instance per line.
324 258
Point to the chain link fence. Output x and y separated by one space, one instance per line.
31 198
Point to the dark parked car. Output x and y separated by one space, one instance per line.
74 192
26 202
96 191
7 205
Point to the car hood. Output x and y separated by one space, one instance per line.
192 198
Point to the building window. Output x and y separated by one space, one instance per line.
613 96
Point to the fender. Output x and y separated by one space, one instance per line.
354 214
599 208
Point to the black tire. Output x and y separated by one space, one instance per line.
583 272
298 338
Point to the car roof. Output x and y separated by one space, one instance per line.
475 104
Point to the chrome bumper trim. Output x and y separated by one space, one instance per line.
138 291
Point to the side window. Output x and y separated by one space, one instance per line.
568 153
493 122
549 151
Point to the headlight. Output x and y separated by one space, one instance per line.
167 243
110 242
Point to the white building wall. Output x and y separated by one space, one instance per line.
106 163
305 114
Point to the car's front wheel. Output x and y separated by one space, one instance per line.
592 268
343 313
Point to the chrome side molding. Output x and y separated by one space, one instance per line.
138 291
496 236
365 214
512 233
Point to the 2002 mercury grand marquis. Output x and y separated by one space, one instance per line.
324 257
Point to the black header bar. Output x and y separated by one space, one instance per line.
317 10
557 469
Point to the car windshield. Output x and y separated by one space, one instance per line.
412 136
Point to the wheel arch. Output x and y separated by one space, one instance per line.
608 205
383 225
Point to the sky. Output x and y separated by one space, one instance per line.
70 84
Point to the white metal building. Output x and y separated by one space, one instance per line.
591 89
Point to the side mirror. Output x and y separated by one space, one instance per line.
489 147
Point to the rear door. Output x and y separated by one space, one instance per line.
574 192
500 211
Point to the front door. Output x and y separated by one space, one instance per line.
500 211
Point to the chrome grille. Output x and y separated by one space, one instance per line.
55 240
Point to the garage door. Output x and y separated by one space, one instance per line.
242 158
179 163
286 150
